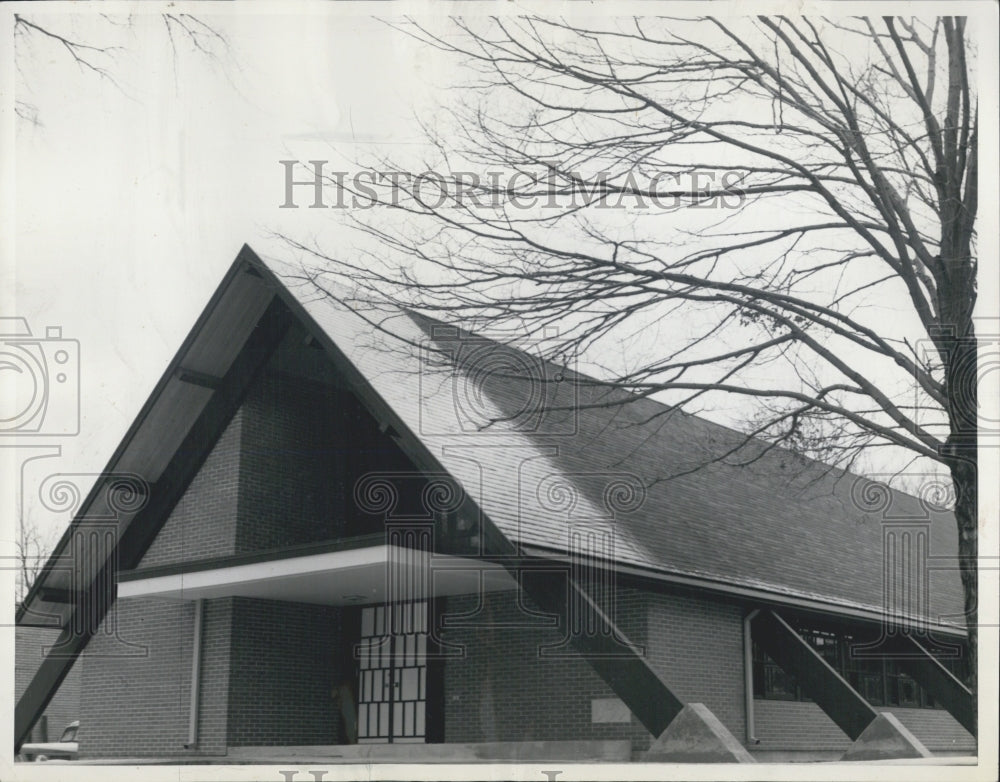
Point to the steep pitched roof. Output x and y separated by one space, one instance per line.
601 460
563 460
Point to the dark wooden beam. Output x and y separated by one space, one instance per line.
244 261
608 651
92 604
936 680
818 680
52 595
198 378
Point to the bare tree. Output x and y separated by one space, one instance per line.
31 548
802 192
98 58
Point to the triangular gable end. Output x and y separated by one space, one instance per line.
247 319
189 411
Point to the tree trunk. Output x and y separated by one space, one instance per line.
964 475
961 451
961 359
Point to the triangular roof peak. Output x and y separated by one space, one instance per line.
540 450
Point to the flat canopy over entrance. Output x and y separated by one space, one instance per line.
351 577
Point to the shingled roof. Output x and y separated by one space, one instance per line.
549 455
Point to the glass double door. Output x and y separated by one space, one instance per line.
392 673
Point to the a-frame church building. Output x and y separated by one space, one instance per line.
366 534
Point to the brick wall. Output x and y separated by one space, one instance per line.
137 703
290 451
502 689
282 474
303 446
137 684
283 671
29 647
696 645
203 523
793 725
802 727
937 729
268 670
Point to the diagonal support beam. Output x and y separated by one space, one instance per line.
608 651
936 680
92 604
198 378
831 692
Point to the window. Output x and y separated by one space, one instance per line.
864 674
69 734
770 680
881 682
826 644
900 689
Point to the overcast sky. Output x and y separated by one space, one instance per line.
135 192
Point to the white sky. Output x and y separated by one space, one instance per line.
133 200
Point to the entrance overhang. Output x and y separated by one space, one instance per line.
372 574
